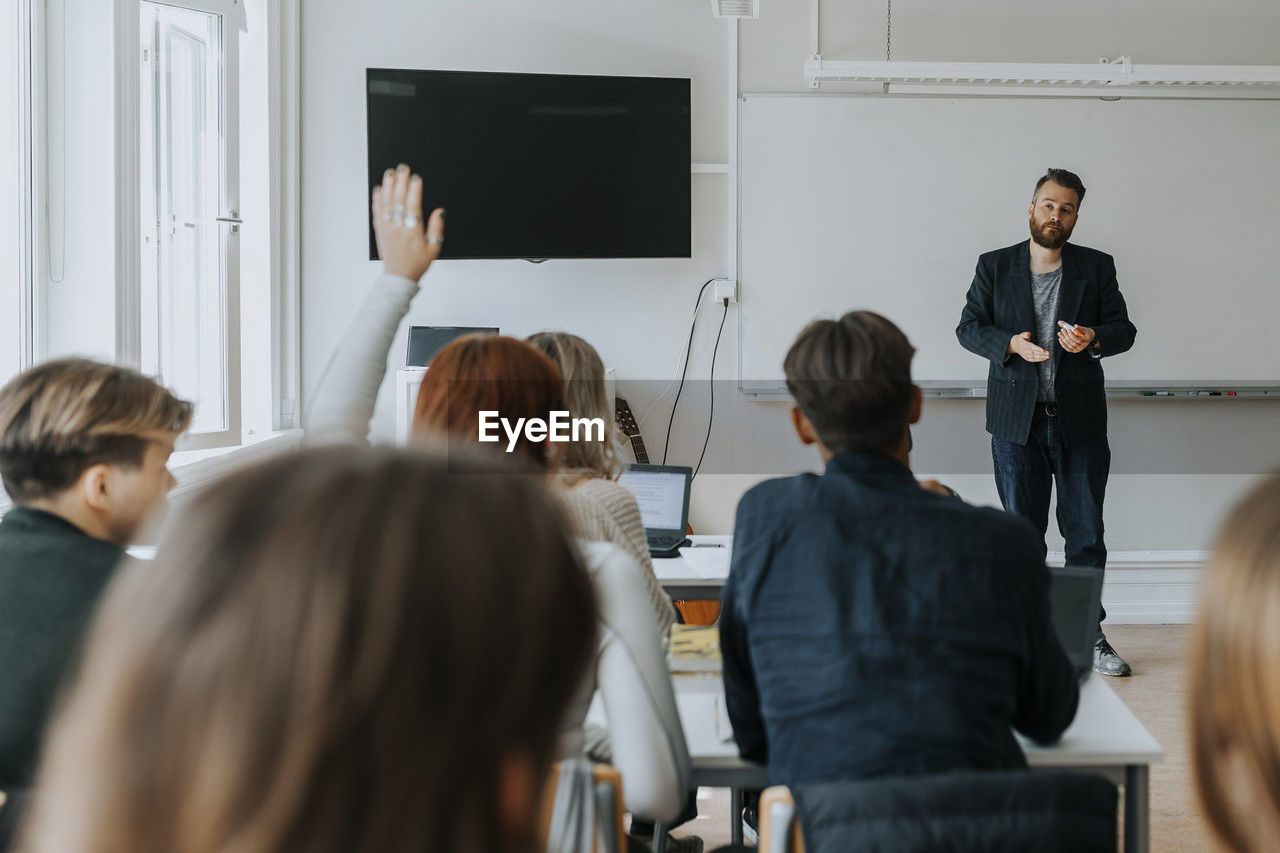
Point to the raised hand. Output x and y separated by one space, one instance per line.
405 247
1021 345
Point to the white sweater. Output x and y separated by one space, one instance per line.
630 670
645 734
343 401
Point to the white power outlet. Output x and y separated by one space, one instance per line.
726 288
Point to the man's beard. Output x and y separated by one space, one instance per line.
1048 238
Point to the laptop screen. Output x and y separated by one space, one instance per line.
1074 598
426 341
660 495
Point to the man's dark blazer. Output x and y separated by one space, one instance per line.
999 306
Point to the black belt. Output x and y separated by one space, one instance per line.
1046 410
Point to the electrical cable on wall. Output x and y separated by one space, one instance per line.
712 416
685 370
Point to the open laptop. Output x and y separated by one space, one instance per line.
663 494
1075 597
426 341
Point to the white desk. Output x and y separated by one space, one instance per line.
699 573
1105 738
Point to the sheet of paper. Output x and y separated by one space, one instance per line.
707 563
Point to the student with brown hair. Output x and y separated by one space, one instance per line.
514 379
859 601
599 508
1235 677
328 652
83 448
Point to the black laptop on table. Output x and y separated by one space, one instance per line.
662 491
426 341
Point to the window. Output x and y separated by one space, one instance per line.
15 183
144 131
189 187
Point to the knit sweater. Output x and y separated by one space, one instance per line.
600 510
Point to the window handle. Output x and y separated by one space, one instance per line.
234 220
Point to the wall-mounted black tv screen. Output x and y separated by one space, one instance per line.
540 165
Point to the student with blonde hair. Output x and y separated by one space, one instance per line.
83 448
598 507
1235 677
328 653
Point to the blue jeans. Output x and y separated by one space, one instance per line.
1025 475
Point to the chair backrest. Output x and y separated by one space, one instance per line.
987 811
607 789
779 830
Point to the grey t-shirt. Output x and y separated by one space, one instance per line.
1044 294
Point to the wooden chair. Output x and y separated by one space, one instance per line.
607 782
698 612
779 829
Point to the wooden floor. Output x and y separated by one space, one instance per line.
1156 693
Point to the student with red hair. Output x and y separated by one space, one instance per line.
489 373
516 380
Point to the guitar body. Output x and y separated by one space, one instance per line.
691 612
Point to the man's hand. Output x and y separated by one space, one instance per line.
1075 341
406 250
1021 345
935 486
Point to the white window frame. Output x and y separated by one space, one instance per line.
227 235
31 56
283 31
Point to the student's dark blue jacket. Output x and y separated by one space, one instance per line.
871 627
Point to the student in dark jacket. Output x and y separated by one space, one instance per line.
83 452
873 625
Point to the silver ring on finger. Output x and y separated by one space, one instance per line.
412 221
397 213
434 240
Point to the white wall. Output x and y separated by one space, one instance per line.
1176 466
635 311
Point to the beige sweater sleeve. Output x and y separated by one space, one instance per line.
600 510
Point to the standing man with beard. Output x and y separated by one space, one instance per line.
1044 312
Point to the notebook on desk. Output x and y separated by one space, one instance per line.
1075 599
662 491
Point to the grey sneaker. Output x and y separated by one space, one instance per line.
683 844
687 844
750 820
1107 662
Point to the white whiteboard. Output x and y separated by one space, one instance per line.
885 202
